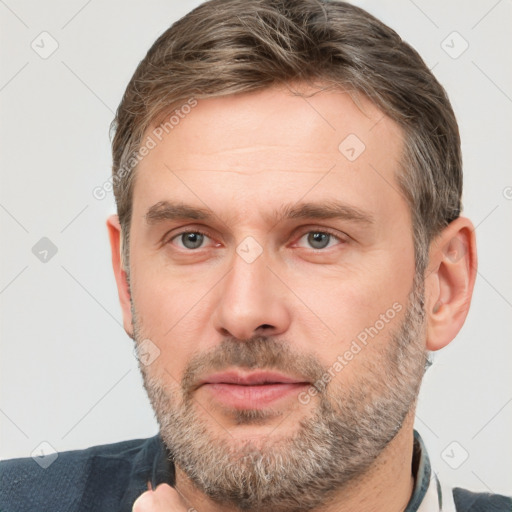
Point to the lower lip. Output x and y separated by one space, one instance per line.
252 397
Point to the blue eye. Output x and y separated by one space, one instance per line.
319 239
191 239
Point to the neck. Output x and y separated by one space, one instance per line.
386 486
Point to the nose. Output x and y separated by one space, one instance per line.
251 301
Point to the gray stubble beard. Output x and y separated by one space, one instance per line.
333 446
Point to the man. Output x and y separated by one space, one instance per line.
288 248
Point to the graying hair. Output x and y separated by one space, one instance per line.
230 46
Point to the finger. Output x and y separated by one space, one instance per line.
163 499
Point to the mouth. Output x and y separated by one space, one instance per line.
251 390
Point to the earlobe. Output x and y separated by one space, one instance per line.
123 288
449 282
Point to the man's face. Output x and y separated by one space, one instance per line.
267 293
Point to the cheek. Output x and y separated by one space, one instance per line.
164 297
364 304
170 314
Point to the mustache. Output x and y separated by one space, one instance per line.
259 352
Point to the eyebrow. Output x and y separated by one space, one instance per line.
326 210
166 210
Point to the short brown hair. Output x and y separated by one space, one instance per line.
229 46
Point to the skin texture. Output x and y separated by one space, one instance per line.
242 157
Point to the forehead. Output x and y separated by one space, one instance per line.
270 145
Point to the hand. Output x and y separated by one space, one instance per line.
163 499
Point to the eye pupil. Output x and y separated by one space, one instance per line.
318 240
192 240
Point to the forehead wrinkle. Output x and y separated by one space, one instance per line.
242 171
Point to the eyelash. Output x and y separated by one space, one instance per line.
322 230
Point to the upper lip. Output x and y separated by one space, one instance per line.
256 378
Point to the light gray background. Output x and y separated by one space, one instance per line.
68 373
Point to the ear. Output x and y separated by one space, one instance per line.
115 235
449 282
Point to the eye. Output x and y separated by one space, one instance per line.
319 239
190 239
